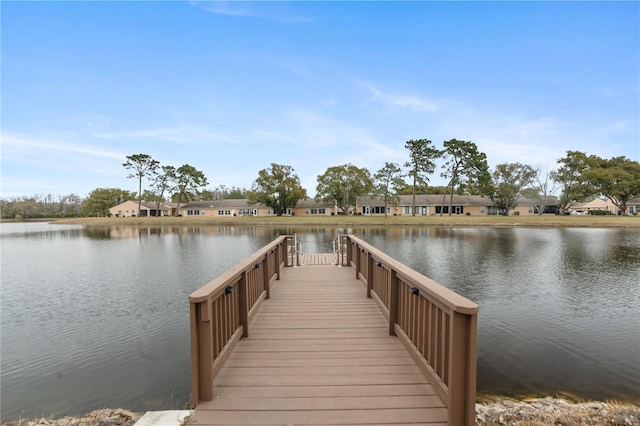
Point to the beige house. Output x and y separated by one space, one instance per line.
222 208
130 209
311 207
426 205
599 204
633 206
241 207
605 204
430 205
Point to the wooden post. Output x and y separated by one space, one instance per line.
349 251
462 369
393 302
242 304
201 352
358 261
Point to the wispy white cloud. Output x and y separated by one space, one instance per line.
167 134
181 134
269 135
396 101
56 165
12 143
228 9
274 11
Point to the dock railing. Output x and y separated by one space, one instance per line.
221 310
437 326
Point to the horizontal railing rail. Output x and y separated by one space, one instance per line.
437 325
221 310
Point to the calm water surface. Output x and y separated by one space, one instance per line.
99 318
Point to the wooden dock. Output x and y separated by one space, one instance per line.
289 338
319 259
319 352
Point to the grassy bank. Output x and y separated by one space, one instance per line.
533 221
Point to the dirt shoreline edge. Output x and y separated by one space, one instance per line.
363 221
529 412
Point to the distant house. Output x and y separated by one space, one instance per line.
222 208
599 204
633 206
241 207
528 206
147 208
426 205
311 207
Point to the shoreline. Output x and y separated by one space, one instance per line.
499 411
358 221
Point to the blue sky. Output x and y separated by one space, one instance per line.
231 87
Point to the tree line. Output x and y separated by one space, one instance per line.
578 177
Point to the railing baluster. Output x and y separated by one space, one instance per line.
370 274
242 305
266 275
393 302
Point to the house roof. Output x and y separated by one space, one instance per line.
152 205
634 200
310 202
596 203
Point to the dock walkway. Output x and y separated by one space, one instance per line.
319 352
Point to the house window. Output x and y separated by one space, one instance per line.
530 210
318 211
407 210
193 212
224 212
245 212
442 209
482 210
379 210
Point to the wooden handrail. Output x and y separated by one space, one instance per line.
437 326
221 310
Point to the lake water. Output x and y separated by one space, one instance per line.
100 318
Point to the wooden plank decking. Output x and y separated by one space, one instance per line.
319 352
318 258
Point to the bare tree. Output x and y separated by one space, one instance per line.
546 188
